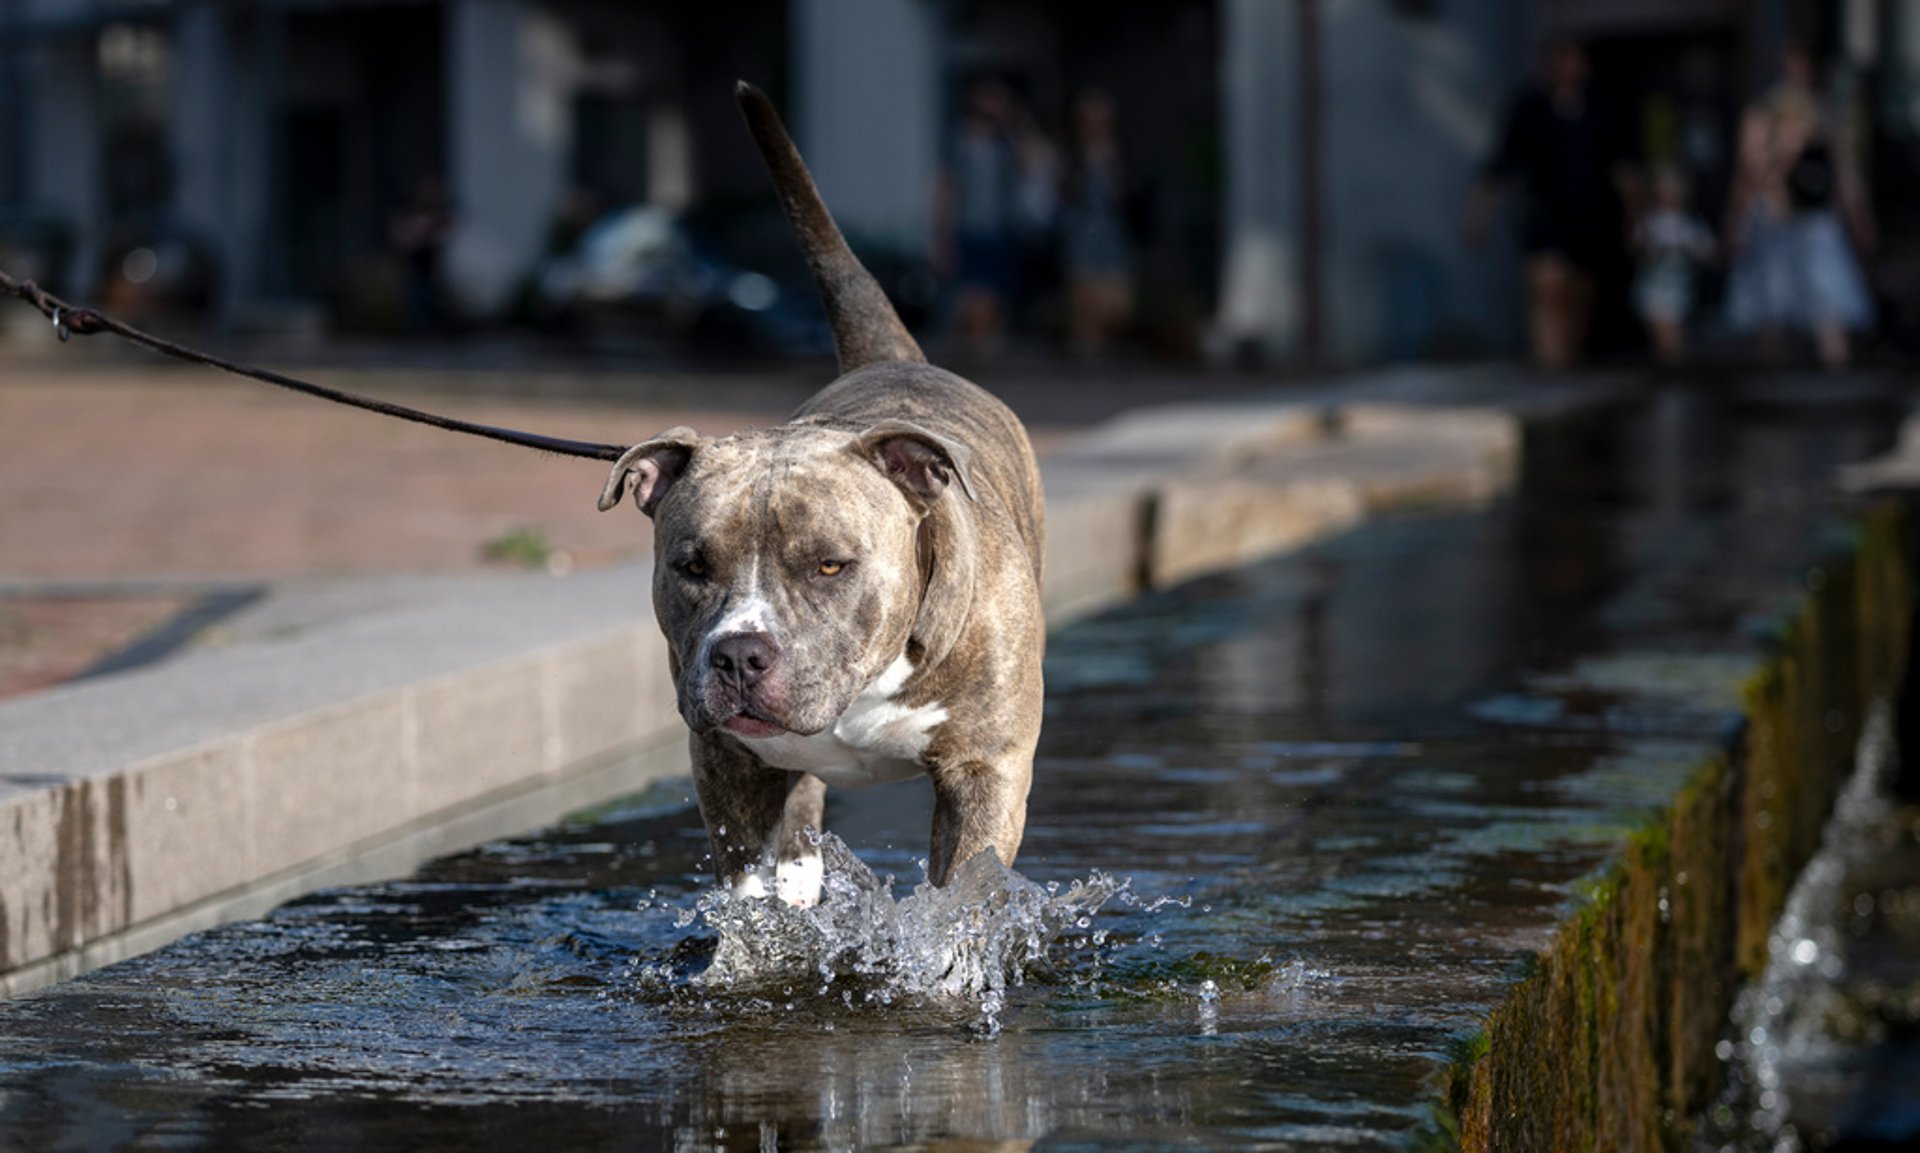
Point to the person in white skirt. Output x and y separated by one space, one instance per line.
1796 214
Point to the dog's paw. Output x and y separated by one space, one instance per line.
798 881
749 887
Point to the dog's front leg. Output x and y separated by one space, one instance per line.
977 805
758 821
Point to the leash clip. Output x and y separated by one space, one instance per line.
60 325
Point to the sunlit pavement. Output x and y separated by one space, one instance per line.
131 489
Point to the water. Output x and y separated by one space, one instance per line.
1825 1048
1294 831
955 947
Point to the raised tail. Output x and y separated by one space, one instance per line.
866 329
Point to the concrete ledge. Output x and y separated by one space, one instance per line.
140 806
396 852
126 800
1607 1040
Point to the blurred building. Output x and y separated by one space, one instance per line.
1301 162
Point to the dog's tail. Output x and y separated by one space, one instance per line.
866 329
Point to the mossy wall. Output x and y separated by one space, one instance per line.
1607 1042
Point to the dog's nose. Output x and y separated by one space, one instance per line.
744 657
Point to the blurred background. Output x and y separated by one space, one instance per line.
1289 185
546 214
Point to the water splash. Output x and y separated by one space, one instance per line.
962 944
1785 1018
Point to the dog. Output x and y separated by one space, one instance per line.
852 597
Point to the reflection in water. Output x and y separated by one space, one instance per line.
1343 790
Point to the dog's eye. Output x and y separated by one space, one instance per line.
832 567
694 567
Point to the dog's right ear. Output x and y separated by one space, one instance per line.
654 465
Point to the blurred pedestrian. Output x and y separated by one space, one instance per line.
1570 155
1670 244
1036 219
974 217
1097 251
1796 196
419 232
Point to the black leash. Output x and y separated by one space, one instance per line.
86 322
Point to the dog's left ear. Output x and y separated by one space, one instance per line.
921 462
653 465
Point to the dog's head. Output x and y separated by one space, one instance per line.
789 564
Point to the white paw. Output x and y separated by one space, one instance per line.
798 881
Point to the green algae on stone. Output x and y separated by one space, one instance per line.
1606 1042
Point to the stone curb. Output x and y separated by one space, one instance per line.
1607 1038
139 807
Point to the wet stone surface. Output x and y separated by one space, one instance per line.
1319 813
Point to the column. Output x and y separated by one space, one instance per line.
1260 93
206 196
62 143
511 70
867 112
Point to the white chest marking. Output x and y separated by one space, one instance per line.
875 741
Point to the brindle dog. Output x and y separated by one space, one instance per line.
854 596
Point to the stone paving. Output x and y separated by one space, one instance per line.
128 487
124 490
114 475
131 489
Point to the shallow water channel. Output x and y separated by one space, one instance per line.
1317 810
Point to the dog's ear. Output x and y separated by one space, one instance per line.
921 462
653 465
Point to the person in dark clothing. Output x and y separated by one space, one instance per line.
975 215
418 232
1098 251
1570 156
